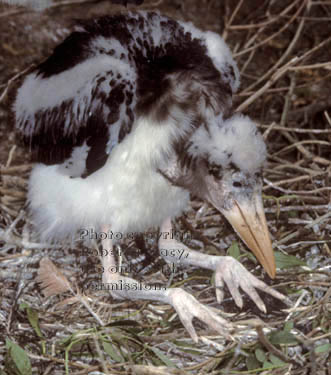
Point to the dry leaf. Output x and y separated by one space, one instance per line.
51 278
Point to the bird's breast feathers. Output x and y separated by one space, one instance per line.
128 192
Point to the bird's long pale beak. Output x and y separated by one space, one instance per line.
249 221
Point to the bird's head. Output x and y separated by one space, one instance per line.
235 153
237 195
228 156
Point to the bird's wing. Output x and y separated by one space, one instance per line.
77 97
113 69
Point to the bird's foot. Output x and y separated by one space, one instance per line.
232 273
227 271
187 308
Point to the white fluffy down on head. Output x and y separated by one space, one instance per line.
235 140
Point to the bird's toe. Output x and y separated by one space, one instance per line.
232 273
187 308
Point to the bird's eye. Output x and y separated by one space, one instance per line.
237 184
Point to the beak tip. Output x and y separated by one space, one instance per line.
272 273
269 264
267 261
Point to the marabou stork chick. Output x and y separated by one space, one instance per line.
130 115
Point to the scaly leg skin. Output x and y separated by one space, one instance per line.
227 270
186 306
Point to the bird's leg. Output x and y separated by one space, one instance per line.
227 269
186 305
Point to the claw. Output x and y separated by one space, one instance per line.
219 293
232 273
187 308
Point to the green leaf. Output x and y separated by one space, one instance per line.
20 359
162 357
191 351
260 355
252 363
267 364
34 320
282 337
234 250
287 261
184 344
288 326
276 361
323 348
123 323
23 306
109 349
251 257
